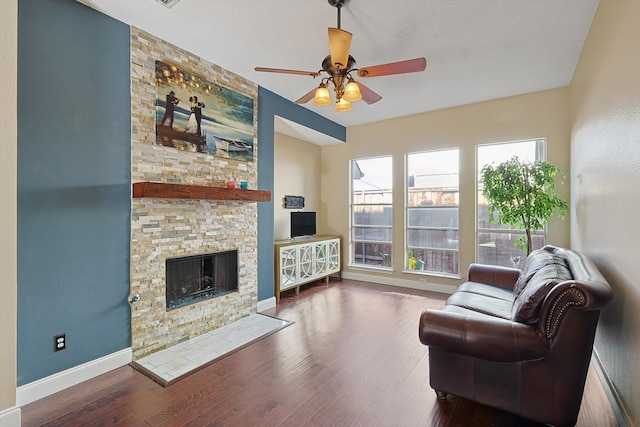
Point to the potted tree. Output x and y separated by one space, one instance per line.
522 195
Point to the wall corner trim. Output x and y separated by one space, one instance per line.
10 417
266 304
44 387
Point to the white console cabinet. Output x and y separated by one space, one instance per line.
302 261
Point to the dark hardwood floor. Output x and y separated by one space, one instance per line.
352 358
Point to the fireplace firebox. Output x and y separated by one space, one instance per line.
197 278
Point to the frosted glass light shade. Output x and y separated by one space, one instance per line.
322 97
352 92
343 105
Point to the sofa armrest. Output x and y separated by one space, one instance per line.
503 277
584 295
498 340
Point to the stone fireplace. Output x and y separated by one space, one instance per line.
197 278
164 229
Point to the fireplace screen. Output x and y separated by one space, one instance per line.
197 278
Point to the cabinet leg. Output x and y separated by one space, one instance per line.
297 291
326 280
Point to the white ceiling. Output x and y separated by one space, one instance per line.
476 50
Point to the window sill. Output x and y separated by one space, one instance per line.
432 274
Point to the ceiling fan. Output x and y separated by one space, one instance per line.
339 66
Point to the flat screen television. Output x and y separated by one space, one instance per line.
303 224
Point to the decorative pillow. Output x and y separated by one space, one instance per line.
534 262
526 307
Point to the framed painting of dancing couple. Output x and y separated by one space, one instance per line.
194 114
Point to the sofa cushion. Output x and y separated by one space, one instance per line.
482 304
487 290
526 305
534 262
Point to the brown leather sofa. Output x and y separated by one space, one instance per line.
519 341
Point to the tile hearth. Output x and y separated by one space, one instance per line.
169 365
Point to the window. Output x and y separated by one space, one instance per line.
495 241
432 212
371 213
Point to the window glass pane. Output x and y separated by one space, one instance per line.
495 241
436 261
372 215
432 211
434 217
372 234
372 254
371 212
426 238
498 249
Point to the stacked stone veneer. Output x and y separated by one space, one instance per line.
166 228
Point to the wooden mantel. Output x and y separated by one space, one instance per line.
180 191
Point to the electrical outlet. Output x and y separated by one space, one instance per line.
59 342
422 281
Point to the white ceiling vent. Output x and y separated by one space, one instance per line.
168 3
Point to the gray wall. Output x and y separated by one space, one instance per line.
73 185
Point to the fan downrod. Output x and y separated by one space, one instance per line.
338 5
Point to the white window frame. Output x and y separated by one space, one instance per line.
518 255
387 265
428 270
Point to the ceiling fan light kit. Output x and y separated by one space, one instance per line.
339 65
343 105
352 91
322 97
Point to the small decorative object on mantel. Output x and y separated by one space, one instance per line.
293 202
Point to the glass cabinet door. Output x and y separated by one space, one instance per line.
288 267
320 258
306 261
334 255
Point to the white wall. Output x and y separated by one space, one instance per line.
296 173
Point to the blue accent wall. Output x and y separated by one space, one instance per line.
74 185
269 106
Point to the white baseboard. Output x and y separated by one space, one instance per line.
401 283
266 304
622 415
44 387
10 417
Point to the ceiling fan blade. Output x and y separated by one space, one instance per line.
283 71
368 95
308 97
339 45
401 67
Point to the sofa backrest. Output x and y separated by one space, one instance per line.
554 280
542 271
